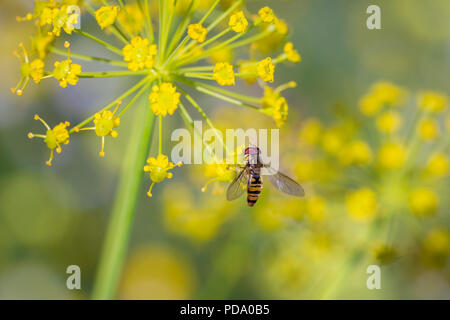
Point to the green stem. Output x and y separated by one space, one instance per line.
86 57
118 232
200 87
108 46
203 114
111 74
110 105
160 135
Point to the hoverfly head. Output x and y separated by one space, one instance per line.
252 150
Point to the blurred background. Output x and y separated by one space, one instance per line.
202 247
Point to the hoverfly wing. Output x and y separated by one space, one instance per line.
237 186
285 184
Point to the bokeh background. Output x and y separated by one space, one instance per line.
201 246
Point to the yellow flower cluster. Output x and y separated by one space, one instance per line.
166 44
106 15
238 22
275 105
158 170
382 94
164 99
197 32
57 14
139 54
65 71
53 138
389 166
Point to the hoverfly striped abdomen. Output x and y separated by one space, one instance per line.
254 188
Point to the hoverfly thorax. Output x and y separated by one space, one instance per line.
252 155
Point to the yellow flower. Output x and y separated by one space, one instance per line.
275 105
389 121
281 27
361 204
105 123
33 70
389 93
41 42
131 18
66 72
139 54
53 138
46 16
436 247
197 32
156 272
164 99
42 12
438 164
266 69
369 105
423 202
433 102
63 19
158 169
381 94
392 155
355 153
428 129
219 172
310 131
106 15
238 22
291 53
224 74
332 140
266 14
249 71
37 70
316 208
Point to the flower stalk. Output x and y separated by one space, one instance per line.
119 228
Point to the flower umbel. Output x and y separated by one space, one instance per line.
238 22
106 15
65 71
224 74
29 69
164 99
292 54
197 32
266 69
139 54
53 138
158 169
171 56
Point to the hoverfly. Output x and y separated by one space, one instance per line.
250 179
